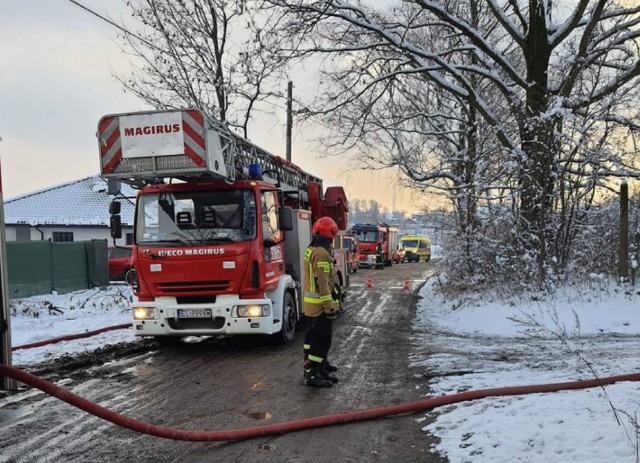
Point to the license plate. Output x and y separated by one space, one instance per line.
194 313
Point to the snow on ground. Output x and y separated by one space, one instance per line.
579 333
39 318
462 345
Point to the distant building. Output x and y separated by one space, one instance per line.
434 224
395 219
74 211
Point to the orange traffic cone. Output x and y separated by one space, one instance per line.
406 284
369 282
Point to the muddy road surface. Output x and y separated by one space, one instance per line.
215 384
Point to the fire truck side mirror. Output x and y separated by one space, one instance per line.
116 222
114 207
116 226
285 218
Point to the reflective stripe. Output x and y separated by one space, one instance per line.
306 346
313 358
325 266
307 256
312 298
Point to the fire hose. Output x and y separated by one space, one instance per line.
69 337
291 426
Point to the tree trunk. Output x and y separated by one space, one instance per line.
537 131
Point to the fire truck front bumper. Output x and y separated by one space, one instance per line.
228 315
368 261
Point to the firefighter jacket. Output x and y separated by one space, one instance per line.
319 280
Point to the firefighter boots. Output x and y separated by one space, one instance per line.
312 376
326 374
328 367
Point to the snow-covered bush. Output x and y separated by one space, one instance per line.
492 256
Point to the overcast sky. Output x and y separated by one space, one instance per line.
56 81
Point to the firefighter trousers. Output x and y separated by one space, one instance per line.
317 341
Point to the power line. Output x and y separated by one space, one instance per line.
117 26
98 15
109 21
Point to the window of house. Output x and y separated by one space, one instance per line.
62 237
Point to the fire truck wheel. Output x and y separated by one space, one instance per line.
289 319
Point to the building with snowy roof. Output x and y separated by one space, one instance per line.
73 211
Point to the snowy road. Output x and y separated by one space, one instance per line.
230 383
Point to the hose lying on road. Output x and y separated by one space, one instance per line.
283 428
69 337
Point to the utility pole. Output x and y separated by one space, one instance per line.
289 118
5 314
623 267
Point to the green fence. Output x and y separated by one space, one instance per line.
40 267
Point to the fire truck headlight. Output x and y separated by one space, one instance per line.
254 310
144 313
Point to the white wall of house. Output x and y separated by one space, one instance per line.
79 234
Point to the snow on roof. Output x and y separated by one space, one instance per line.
80 202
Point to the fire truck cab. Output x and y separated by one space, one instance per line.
377 242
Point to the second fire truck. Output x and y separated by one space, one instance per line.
377 243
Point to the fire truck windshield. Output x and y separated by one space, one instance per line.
196 217
366 236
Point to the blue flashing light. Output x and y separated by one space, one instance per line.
255 171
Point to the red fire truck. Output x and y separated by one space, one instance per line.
221 225
377 243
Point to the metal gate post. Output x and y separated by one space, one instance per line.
5 315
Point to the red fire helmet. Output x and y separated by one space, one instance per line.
325 226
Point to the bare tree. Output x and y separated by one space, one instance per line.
553 88
211 54
364 211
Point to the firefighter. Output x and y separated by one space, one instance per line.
320 304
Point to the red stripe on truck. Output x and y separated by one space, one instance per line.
104 124
196 135
109 142
111 165
195 157
196 116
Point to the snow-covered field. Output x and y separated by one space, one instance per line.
581 333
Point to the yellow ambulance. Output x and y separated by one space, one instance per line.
418 247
